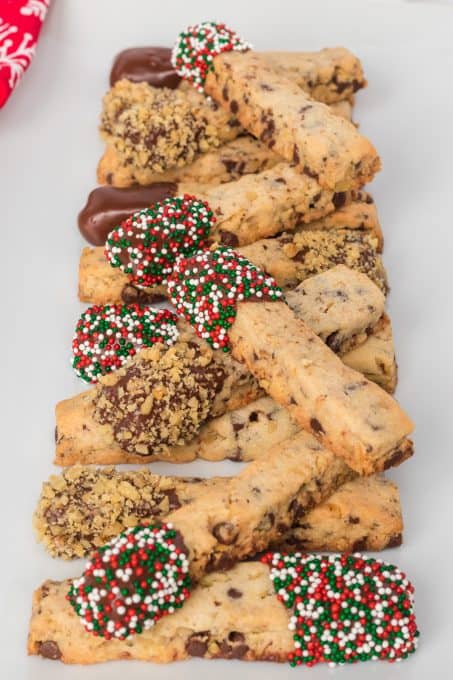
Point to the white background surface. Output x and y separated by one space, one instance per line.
49 149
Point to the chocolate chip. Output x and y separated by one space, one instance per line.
353 520
49 650
253 417
237 427
228 238
221 562
360 544
228 651
296 509
296 157
316 426
234 106
234 593
300 255
225 532
173 499
235 636
197 644
230 165
334 341
56 435
130 294
225 92
395 541
339 199
310 173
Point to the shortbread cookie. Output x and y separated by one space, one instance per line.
342 305
242 434
279 113
289 258
357 420
330 75
107 207
375 358
159 129
232 615
84 507
258 206
174 390
242 156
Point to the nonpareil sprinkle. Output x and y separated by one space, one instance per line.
346 608
107 336
206 288
196 47
131 582
146 245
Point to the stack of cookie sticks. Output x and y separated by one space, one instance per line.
278 356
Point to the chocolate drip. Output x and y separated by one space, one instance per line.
145 64
107 207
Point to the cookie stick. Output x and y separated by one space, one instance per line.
234 615
83 507
257 206
158 130
375 358
329 75
274 109
232 304
289 258
213 532
341 305
106 207
242 434
241 156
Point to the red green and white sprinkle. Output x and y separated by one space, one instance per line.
196 48
132 582
146 245
347 608
107 336
206 288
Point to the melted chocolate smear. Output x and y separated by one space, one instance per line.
145 64
107 207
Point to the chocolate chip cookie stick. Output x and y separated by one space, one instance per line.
242 156
236 615
274 109
254 206
84 507
330 75
350 235
375 358
233 305
341 305
243 434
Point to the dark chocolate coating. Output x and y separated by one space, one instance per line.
149 64
107 207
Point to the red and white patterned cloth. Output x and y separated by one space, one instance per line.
20 26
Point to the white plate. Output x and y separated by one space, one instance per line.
49 149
